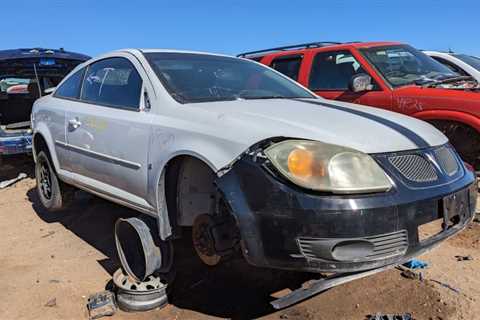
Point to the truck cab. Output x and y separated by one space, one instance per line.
387 75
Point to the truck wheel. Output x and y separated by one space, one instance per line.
54 194
464 139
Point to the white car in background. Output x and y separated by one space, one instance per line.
463 64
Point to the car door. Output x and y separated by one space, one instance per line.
330 75
108 132
66 96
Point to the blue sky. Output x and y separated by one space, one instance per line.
97 26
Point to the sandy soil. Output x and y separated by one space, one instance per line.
50 263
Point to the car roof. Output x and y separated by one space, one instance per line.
151 50
31 53
316 46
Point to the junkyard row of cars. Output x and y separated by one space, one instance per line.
248 156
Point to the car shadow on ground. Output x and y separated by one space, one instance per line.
232 290
12 166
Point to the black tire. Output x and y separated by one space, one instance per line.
54 194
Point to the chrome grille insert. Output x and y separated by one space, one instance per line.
414 167
446 159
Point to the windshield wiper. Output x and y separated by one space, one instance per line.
447 80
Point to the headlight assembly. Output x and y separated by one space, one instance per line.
326 167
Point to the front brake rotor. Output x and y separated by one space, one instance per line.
203 240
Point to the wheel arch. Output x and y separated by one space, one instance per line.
167 190
43 138
448 115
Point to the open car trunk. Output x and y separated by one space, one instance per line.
24 76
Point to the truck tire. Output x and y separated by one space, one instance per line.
54 195
464 139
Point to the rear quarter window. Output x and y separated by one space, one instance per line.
70 89
289 65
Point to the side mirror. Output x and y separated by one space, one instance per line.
361 82
49 90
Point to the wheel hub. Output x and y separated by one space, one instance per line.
45 181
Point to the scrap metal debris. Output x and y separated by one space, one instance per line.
409 274
101 304
51 303
446 285
464 258
10 182
379 316
50 233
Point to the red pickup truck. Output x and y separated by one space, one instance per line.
387 75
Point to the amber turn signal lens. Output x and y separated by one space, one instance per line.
300 163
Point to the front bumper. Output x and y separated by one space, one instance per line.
283 226
15 143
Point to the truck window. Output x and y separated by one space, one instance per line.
113 82
288 65
333 70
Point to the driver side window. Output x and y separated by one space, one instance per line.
333 70
112 82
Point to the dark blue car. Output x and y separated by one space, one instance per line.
25 75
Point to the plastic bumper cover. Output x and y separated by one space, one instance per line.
274 216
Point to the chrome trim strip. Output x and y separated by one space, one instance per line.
101 156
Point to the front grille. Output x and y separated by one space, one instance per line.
414 167
384 246
446 160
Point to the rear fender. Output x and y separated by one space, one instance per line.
42 130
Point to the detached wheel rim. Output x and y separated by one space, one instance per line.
45 179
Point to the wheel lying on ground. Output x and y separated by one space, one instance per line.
54 194
140 296
139 248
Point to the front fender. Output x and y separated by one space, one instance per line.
461 117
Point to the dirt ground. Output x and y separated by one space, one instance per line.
51 263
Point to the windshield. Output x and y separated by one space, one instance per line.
404 65
470 60
201 78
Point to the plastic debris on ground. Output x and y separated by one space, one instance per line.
101 304
380 316
415 264
8 183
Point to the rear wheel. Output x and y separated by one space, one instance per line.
54 194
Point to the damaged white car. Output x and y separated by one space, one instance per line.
249 161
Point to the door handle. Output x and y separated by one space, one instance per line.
74 123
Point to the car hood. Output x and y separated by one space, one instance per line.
414 99
366 129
